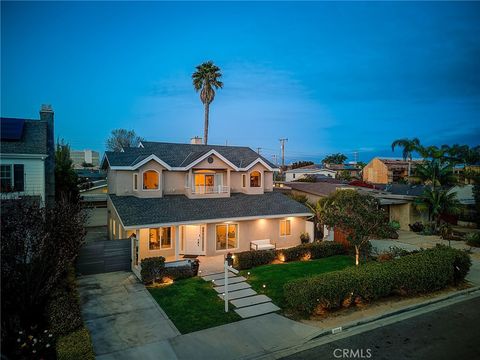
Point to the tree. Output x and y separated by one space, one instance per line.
409 146
206 80
344 175
334 159
357 215
299 164
433 172
437 202
37 246
87 165
121 139
66 180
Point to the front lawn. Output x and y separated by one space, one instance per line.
276 275
192 305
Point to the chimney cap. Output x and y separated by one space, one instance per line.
46 107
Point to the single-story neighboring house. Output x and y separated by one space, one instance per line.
310 170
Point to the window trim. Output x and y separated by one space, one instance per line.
160 239
250 179
158 185
135 181
10 172
237 236
289 233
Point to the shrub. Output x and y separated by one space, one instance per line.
248 259
309 251
304 237
424 271
76 345
473 239
416 227
152 268
395 225
177 272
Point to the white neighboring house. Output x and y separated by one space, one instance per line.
27 157
300 173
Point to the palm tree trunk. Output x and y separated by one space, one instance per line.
357 255
205 128
409 167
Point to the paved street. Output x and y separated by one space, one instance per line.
448 333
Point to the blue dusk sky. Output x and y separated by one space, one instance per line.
330 77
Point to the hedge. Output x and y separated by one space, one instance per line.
317 250
154 269
248 259
76 345
421 272
151 268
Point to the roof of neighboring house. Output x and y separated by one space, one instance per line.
398 163
464 194
317 188
310 169
181 155
31 139
91 174
172 209
402 189
96 185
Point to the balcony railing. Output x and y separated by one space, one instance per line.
217 189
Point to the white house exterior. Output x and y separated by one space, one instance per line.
300 173
27 157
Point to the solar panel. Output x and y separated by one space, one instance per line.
11 129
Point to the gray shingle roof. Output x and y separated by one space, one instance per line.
181 155
33 140
178 208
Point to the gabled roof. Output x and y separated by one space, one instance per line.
175 209
182 156
318 188
33 138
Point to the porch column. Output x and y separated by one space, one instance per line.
228 180
177 241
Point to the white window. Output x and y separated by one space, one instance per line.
135 181
12 177
255 179
160 238
226 236
114 227
6 178
285 228
150 180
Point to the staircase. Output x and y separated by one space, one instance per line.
241 295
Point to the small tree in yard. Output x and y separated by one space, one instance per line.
37 246
359 216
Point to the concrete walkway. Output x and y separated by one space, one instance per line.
240 294
120 314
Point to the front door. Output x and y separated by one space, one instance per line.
194 239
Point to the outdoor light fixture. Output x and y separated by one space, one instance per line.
264 286
229 259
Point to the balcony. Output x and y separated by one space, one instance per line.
207 190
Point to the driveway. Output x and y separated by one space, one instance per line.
122 316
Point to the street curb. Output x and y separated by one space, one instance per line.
278 353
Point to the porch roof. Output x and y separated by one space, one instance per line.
178 209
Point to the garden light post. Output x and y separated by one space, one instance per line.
228 267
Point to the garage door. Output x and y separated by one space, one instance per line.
104 256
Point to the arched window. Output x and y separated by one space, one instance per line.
150 180
255 179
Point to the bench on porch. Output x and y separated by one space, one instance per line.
263 244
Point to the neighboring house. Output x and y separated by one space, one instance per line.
94 201
387 170
311 170
352 170
192 199
81 157
27 157
314 191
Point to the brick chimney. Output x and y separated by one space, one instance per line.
46 114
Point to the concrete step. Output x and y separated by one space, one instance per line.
239 294
251 300
233 287
255 310
232 280
217 276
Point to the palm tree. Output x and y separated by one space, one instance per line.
437 202
434 173
206 80
409 146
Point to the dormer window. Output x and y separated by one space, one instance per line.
255 179
150 180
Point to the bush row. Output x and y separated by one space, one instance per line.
421 272
153 269
248 259
76 345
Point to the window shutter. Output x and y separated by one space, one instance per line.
18 177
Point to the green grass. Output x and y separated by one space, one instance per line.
193 305
276 275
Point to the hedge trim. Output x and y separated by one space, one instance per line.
76 345
421 272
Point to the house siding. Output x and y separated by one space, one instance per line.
34 175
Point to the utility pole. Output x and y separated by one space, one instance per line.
282 145
258 150
355 156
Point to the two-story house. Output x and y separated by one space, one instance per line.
27 157
192 199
